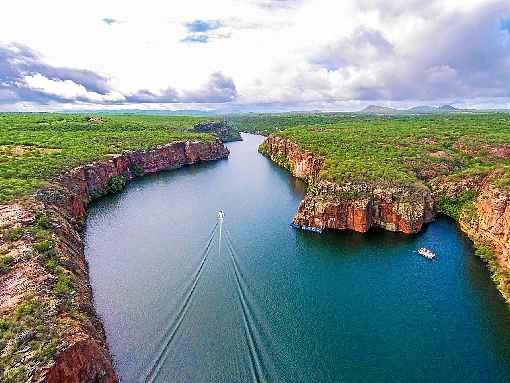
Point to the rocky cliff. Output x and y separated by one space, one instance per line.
49 331
485 218
360 206
481 209
356 206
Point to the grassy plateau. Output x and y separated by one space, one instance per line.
36 147
403 149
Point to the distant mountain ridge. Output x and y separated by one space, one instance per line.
376 109
422 109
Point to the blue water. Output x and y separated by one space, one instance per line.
336 307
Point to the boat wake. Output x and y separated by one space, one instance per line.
259 357
172 329
262 370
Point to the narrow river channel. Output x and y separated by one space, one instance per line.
336 307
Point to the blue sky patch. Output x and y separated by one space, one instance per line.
109 21
196 38
505 24
203 25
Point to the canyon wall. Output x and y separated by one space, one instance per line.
355 206
486 221
491 223
45 295
359 206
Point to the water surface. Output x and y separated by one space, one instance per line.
336 307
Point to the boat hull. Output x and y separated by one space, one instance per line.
307 228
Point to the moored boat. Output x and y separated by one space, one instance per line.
307 228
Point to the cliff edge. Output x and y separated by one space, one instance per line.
356 206
481 209
49 330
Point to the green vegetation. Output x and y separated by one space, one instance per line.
403 149
34 147
27 308
64 284
117 183
14 234
31 333
453 207
137 170
224 130
6 262
27 330
500 276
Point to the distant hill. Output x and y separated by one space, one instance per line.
422 109
376 109
223 130
448 108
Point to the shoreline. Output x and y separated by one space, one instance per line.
359 206
46 283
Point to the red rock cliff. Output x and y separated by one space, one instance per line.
355 206
73 340
75 189
486 220
360 206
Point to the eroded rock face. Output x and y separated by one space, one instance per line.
301 163
359 207
81 353
75 189
84 361
488 220
354 206
491 223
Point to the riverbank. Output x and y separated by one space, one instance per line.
481 209
49 328
343 293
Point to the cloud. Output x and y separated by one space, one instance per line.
168 95
391 9
362 47
23 76
456 54
286 53
109 21
218 89
463 57
278 4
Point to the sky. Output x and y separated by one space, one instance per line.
253 55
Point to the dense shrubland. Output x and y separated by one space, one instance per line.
403 149
36 147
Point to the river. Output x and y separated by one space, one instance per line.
303 307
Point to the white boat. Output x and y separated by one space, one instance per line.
429 254
307 228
